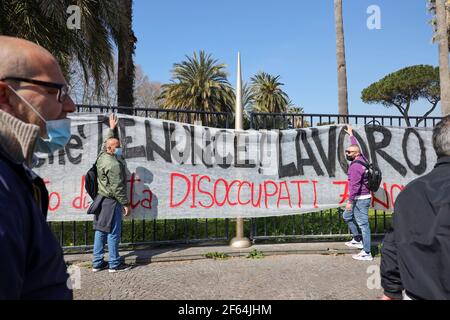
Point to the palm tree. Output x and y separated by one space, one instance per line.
199 83
247 105
126 72
267 94
296 120
247 98
341 63
442 28
45 23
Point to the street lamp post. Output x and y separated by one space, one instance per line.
239 241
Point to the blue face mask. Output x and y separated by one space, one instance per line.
58 136
58 132
118 152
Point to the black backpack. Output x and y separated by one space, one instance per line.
90 183
374 175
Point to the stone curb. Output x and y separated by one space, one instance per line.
147 257
147 260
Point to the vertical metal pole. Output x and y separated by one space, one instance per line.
239 241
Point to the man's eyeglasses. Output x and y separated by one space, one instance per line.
63 89
349 151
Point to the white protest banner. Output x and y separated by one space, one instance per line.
178 170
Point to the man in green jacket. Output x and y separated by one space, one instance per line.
112 185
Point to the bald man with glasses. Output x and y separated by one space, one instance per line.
34 103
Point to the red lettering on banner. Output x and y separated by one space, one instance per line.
239 193
175 175
344 196
52 196
148 194
280 196
267 195
258 202
205 192
375 199
220 204
147 202
222 192
132 181
194 185
299 190
80 201
395 186
185 190
315 193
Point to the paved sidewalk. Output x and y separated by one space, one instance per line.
288 271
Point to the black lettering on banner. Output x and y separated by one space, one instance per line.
241 163
265 151
81 131
422 166
311 160
61 160
196 150
76 145
290 169
330 161
182 155
224 162
51 158
40 162
101 120
341 152
375 147
152 146
132 152
207 152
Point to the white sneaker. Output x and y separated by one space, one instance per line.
363 256
354 244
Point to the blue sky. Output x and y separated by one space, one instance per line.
291 38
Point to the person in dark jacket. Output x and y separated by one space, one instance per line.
356 212
33 108
112 186
415 257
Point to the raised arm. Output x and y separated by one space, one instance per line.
110 133
349 131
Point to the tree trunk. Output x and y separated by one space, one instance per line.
407 120
441 15
125 85
341 64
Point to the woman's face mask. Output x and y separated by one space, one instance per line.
58 131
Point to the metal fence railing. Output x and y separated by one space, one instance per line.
300 120
327 224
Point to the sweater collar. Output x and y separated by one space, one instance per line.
17 138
